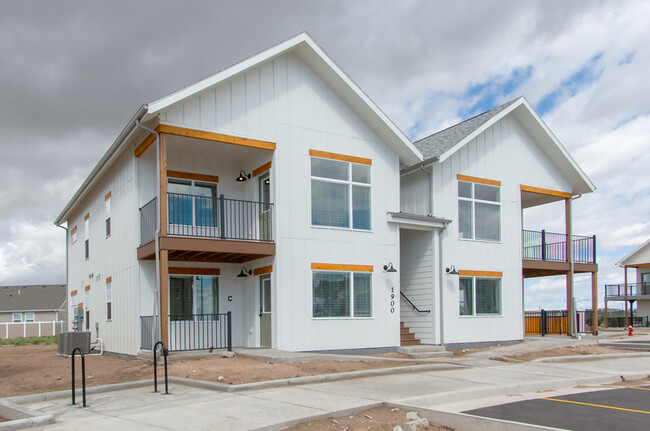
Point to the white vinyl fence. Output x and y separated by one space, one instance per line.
30 329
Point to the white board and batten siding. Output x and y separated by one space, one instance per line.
113 256
417 283
283 100
504 152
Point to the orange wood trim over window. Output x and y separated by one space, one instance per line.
109 280
192 176
87 216
263 270
542 191
480 273
265 167
146 143
87 288
216 137
182 270
80 305
73 230
73 292
341 267
478 180
342 157
108 196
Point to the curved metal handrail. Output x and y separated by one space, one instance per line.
164 352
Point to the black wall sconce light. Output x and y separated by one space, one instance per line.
243 176
451 270
389 267
244 272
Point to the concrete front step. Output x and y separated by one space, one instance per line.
425 351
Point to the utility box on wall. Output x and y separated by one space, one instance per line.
70 340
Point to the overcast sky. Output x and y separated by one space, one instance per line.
74 73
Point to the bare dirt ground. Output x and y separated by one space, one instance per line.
564 351
379 418
38 368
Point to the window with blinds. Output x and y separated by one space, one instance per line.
486 291
340 194
341 294
479 211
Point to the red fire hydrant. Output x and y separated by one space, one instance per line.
630 330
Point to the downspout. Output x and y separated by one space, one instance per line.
156 293
66 274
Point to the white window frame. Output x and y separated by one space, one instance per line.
30 317
175 228
351 184
475 298
19 315
109 299
351 296
87 238
73 234
473 200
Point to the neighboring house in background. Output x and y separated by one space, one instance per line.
289 199
32 311
637 291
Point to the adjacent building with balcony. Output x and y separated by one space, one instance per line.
274 204
631 292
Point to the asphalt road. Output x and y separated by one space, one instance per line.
625 408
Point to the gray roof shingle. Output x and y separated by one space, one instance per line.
436 144
32 298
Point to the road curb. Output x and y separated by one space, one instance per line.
591 357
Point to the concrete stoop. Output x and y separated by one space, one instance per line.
423 351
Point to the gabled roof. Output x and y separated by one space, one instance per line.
39 297
640 256
303 45
436 144
440 146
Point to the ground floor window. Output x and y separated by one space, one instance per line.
17 317
193 296
342 294
479 296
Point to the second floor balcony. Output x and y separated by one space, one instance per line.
204 228
629 290
545 253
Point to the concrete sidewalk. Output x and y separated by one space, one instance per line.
265 409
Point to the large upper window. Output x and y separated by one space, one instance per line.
340 194
479 296
191 203
479 211
342 294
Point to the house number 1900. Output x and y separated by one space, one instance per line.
392 299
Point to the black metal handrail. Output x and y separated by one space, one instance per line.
164 352
633 289
200 331
413 305
83 374
551 246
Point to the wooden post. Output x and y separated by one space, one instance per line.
625 290
594 303
569 259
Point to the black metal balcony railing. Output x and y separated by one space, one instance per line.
210 217
633 289
549 246
192 331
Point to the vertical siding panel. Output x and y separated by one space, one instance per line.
253 114
208 110
280 88
267 108
238 104
224 107
192 112
175 114
294 83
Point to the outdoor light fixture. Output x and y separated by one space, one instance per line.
243 176
389 267
451 270
245 272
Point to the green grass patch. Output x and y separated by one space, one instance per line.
30 340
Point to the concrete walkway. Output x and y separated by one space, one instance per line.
459 388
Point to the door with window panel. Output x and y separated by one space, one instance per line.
192 208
